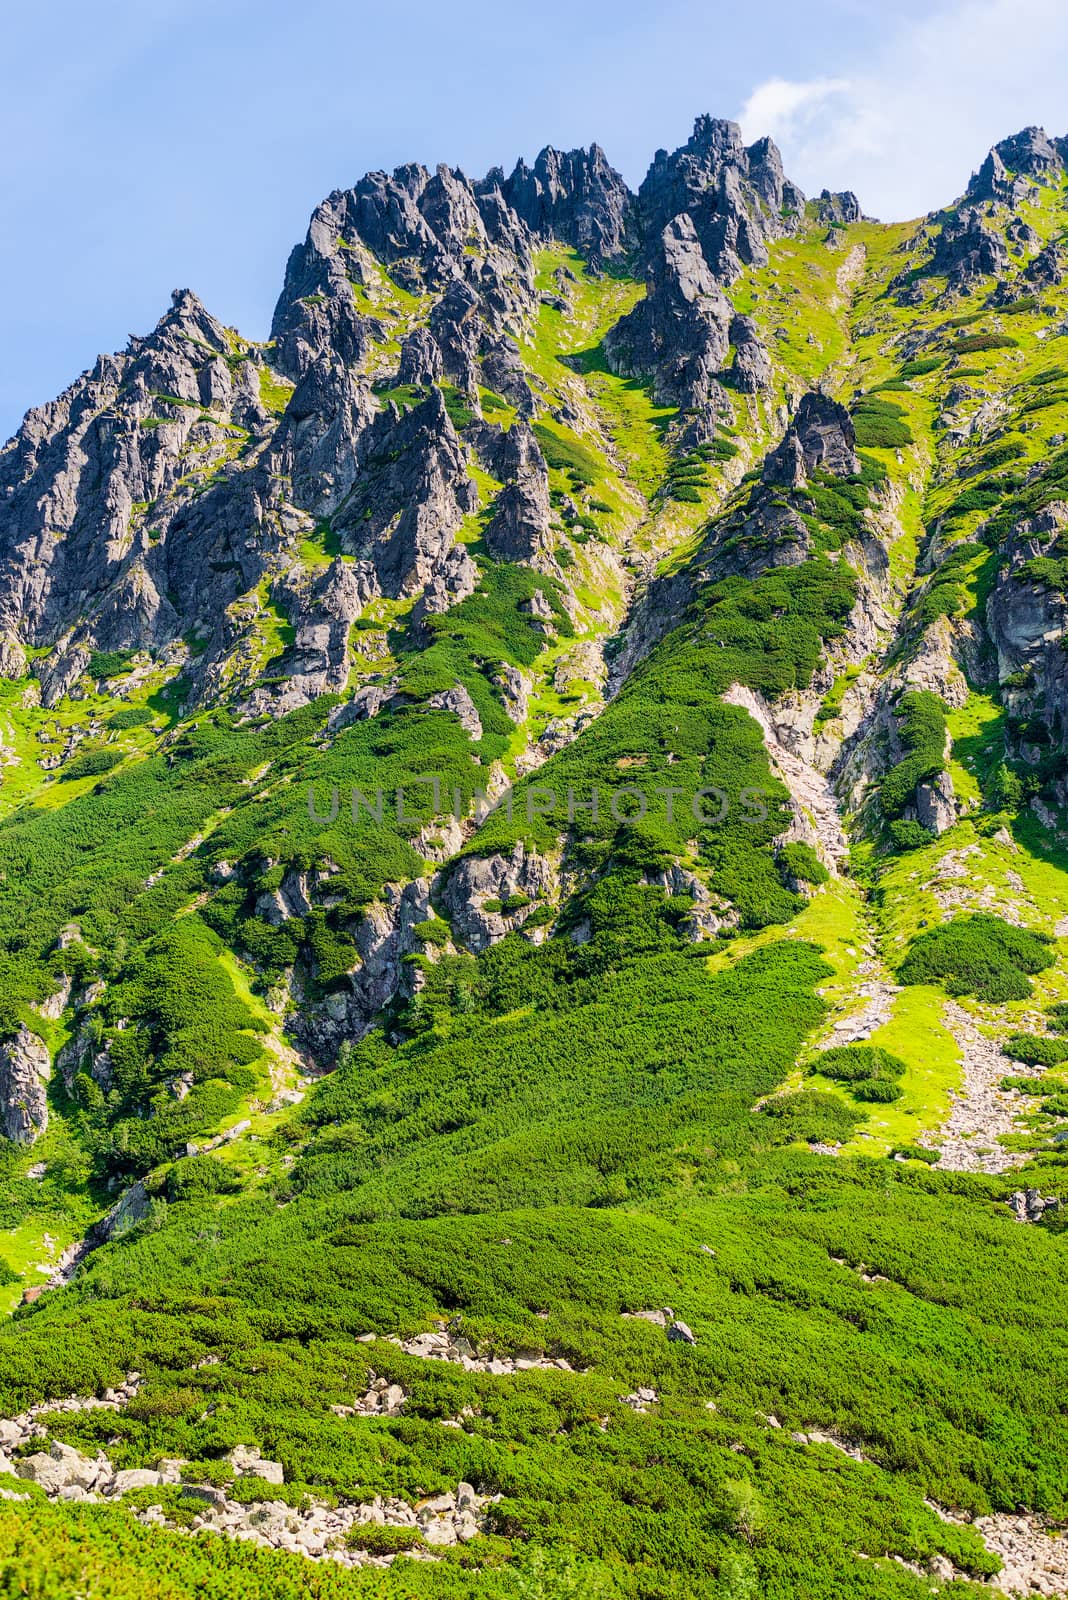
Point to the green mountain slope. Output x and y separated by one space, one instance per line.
533 906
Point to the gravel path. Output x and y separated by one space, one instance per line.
968 1139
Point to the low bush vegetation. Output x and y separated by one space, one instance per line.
980 955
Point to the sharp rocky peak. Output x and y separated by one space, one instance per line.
1014 165
736 194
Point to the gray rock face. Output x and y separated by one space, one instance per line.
409 499
81 477
133 1207
383 938
316 443
752 371
502 371
967 249
1029 154
704 211
519 528
1049 267
821 436
838 210
936 806
420 359
474 880
318 661
108 540
150 503
12 659
1027 619
575 196
432 232
680 333
735 194
25 1068
514 691
458 701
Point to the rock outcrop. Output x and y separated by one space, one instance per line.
486 897
519 527
25 1068
737 195
1013 166
680 333
968 249
821 437
574 195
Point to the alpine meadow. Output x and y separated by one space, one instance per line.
534 906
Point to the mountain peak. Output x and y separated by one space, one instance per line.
1027 155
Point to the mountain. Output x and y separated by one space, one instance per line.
534 901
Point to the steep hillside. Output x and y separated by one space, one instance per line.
534 904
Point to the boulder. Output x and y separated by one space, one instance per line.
59 1467
134 1478
936 805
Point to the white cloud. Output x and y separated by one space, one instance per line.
906 130
784 109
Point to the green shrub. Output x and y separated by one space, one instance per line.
131 717
850 1063
980 955
460 413
920 366
1048 571
876 1090
110 663
908 835
196 1177
378 1540
880 424
915 1152
812 1115
922 731
1034 1050
799 860
91 764
1048 375
980 497
971 343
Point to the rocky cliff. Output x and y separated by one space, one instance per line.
506 435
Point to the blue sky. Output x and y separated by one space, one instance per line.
184 142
